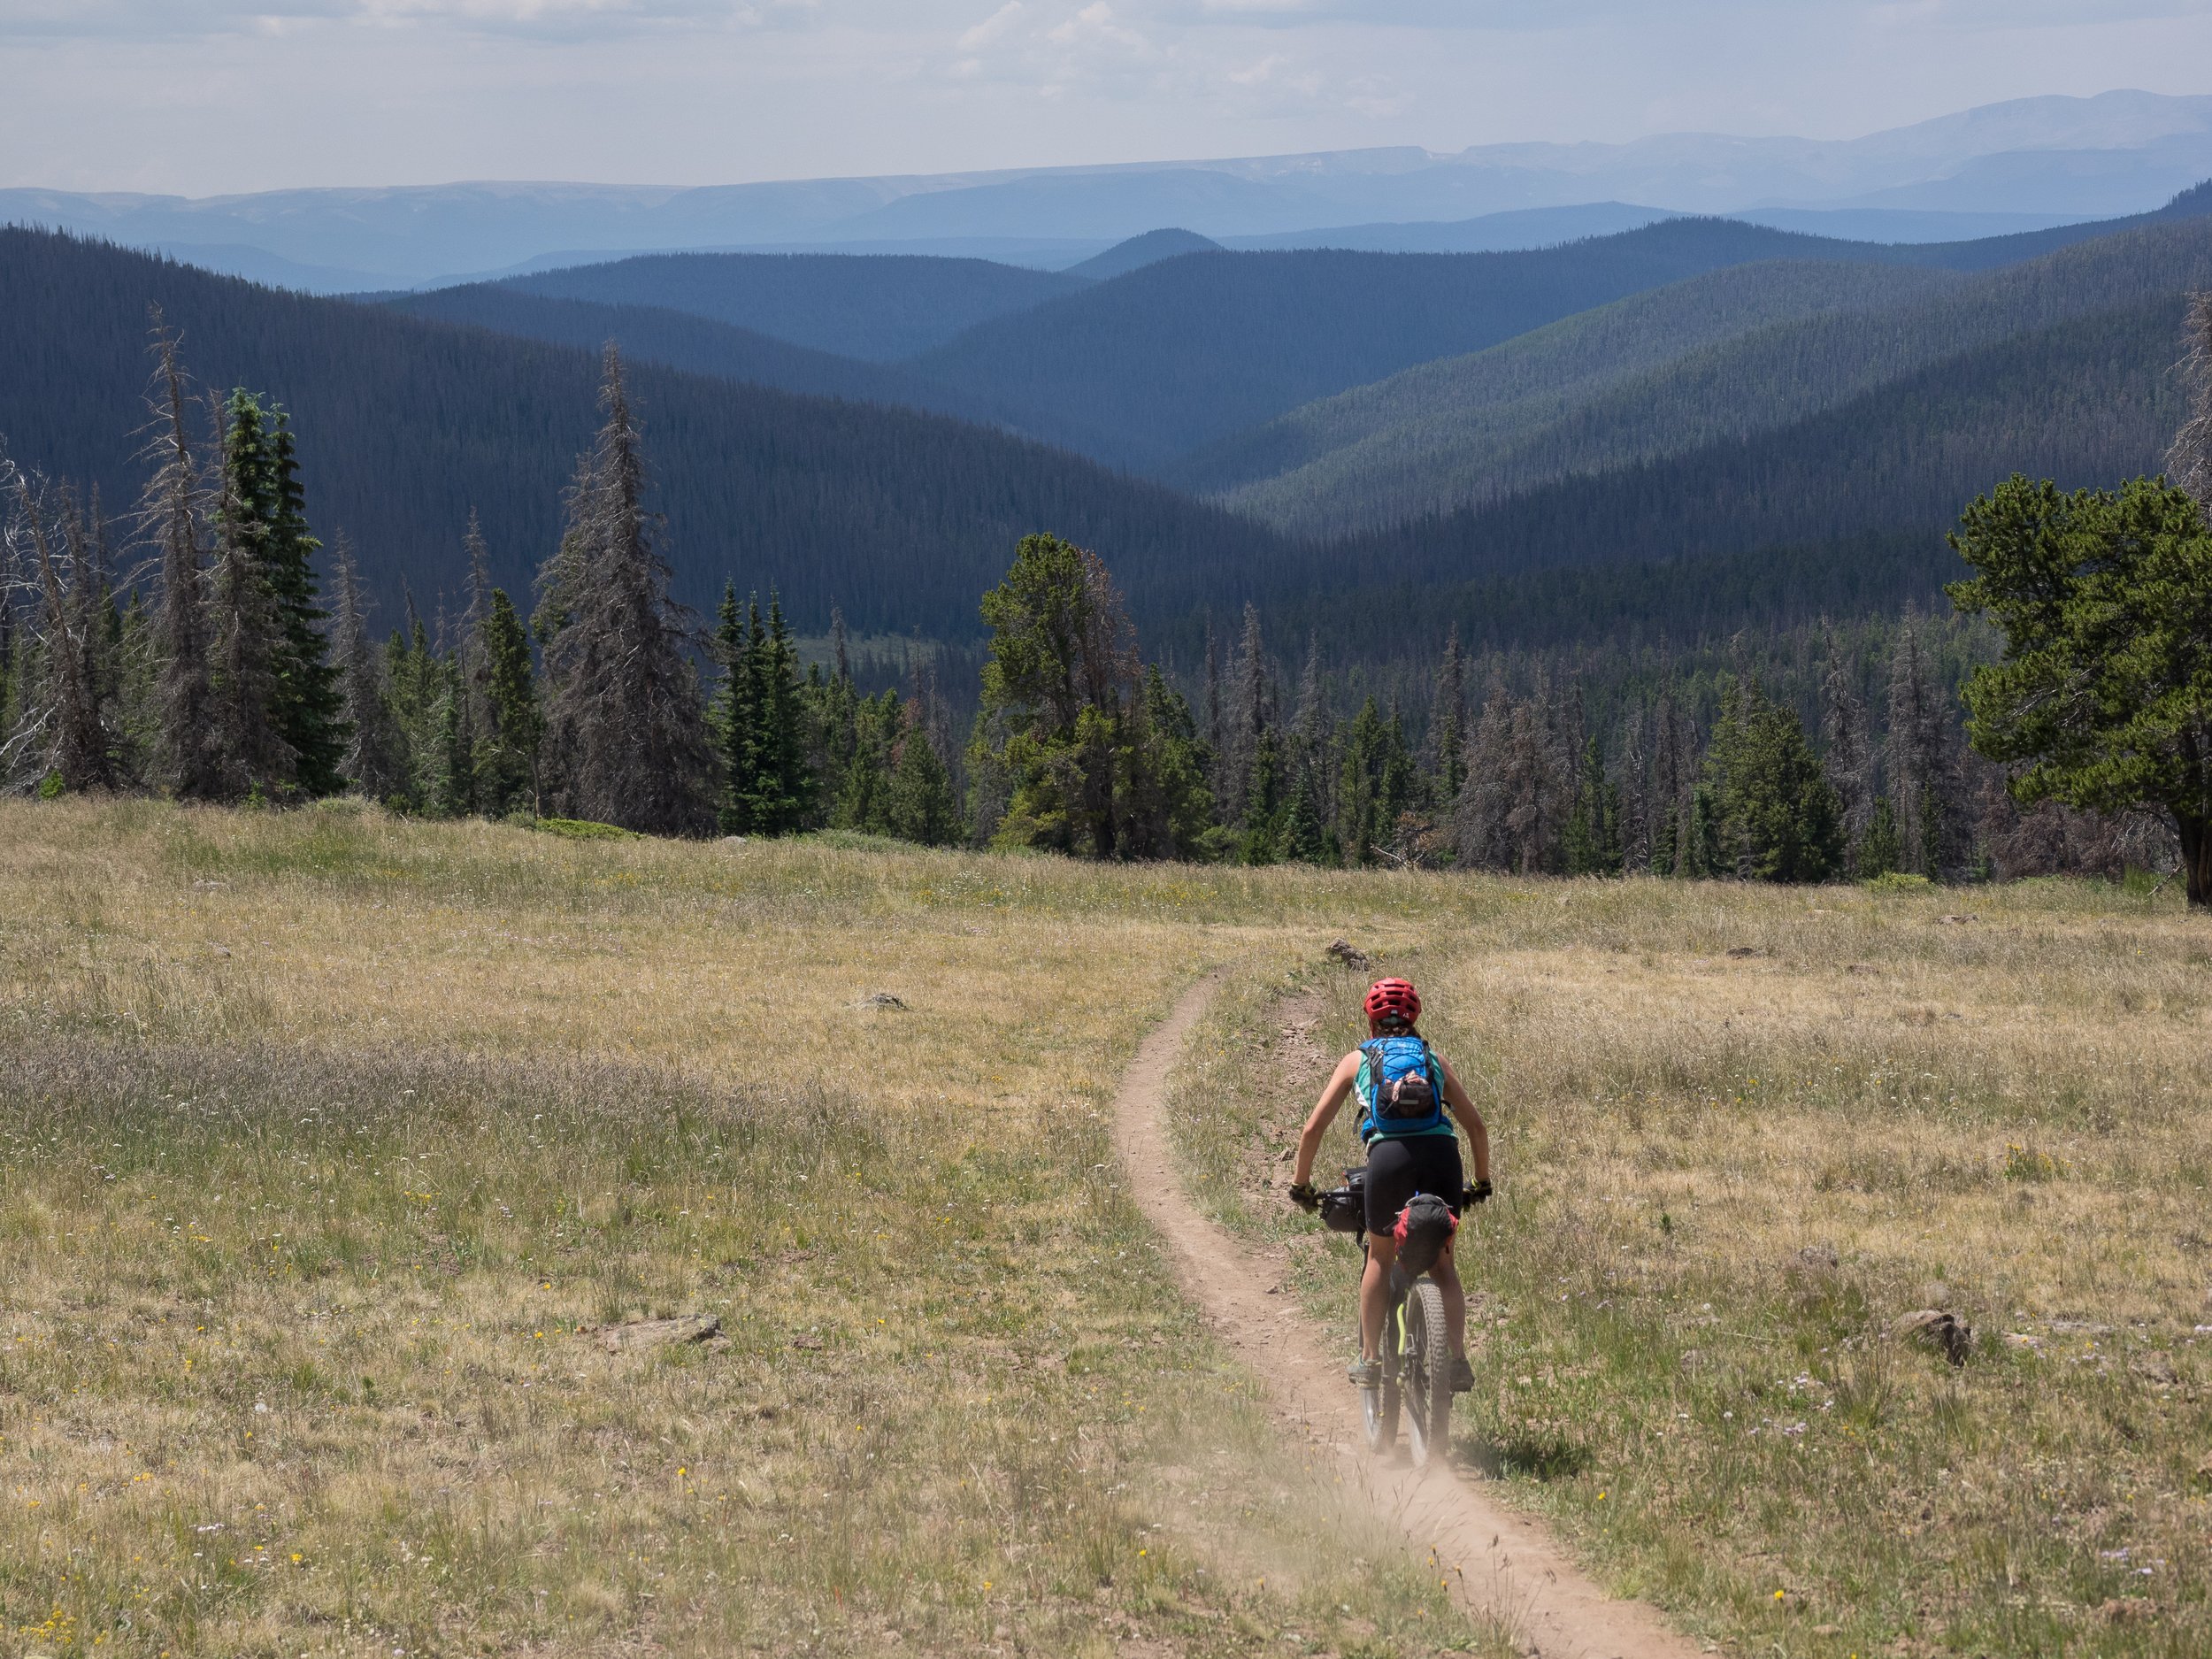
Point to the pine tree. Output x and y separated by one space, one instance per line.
1773 814
1591 842
921 805
474 621
1633 786
507 753
1057 693
1479 826
1850 758
732 716
863 798
1169 813
173 512
1448 722
1312 768
783 789
1923 762
623 714
1251 716
308 710
1881 849
375 758
253 759
453 793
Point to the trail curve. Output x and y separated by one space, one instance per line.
1502 1564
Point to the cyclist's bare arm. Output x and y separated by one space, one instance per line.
1323 1114
1470 1120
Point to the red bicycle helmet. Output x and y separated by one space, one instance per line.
1386 998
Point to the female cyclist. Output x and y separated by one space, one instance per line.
1411 1148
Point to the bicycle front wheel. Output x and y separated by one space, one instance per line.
1427 1373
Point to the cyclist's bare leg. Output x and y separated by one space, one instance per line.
1374 1293
1446 1273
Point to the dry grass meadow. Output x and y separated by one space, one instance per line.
331 1146
1741 1133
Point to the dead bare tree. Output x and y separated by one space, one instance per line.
624 720
2190 460
60 732
173 517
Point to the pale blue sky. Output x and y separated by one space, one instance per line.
201 96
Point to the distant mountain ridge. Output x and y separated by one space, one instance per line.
2098 156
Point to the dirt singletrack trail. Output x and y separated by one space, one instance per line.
1502 1564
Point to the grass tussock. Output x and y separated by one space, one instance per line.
1739 1134
332 1145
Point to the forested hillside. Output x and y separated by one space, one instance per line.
1188 351
2087 402
405 425
1464 405
1603 390
878 306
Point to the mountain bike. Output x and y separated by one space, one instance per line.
1416 1348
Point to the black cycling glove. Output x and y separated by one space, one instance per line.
1305 1197
1476 1193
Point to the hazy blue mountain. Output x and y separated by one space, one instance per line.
1490 233
881 307
2117 153
1139 251
405 425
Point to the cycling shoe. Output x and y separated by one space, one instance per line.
1462 1375
1365 1373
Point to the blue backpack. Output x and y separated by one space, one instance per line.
1401 1088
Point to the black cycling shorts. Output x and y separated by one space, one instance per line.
1396 1170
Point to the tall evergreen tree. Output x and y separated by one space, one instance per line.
1056 696
1591 841
1479 824
623 714
1448 722
253 759
732 716
1922 755
1250 717
782 788
1850 758
1775 817
375 758
507 749
921 805
308 712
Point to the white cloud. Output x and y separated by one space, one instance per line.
144 94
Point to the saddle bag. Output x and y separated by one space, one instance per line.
1425 1226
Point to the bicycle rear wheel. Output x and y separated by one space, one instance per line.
1427 1373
